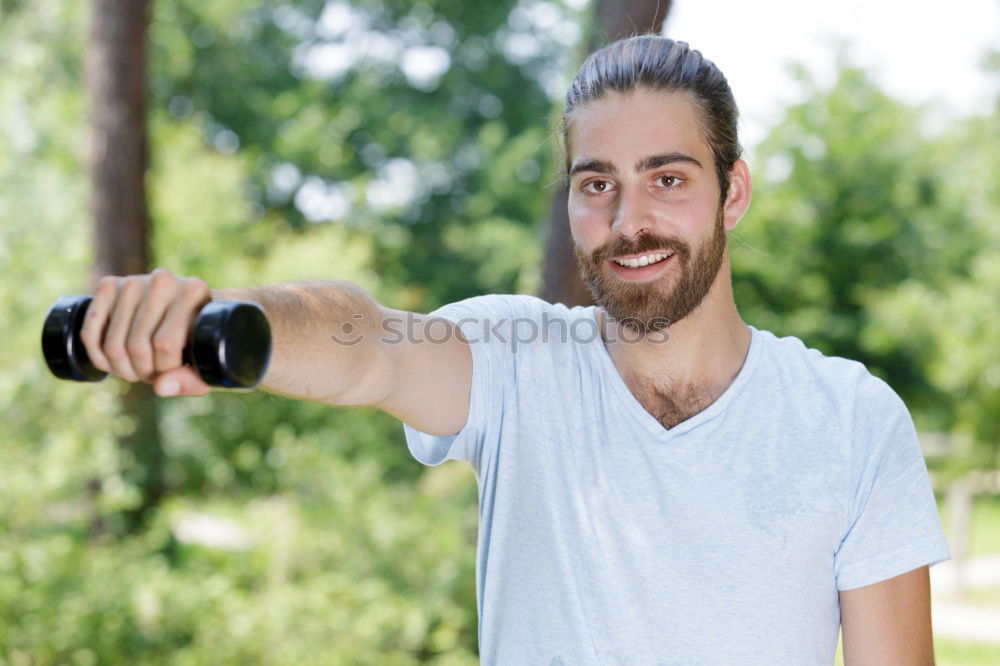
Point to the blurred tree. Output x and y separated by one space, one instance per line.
116 64
415 126
611 21
949 325
857 244
338 548
398 145
116 80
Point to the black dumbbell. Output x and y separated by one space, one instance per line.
229 345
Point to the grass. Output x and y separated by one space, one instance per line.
953 652
984 537
983 596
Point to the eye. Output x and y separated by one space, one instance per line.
596 187
669 182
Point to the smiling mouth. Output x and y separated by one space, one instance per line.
643 260
641 268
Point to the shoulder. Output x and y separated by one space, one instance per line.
522 323
791 356
515 306
839 382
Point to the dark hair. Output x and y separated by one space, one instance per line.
659 63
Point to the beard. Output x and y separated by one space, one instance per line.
652 306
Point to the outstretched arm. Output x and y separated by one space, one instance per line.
331 343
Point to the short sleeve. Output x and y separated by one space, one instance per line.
894 525
484 321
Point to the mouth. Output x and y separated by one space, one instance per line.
641 267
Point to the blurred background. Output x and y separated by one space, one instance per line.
408 146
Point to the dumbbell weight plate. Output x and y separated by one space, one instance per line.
64 353
231 344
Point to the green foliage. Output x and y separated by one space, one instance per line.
864 244
345 566
984 519
413 160
328 543
952 322
378 565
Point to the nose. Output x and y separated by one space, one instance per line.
632 215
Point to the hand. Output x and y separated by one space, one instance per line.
136 328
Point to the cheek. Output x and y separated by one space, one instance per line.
691 216
588 224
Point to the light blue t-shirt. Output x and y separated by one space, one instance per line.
605 538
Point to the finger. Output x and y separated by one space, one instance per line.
180 381
129 294
172 333
151 310
96 321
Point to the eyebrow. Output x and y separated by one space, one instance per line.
651 162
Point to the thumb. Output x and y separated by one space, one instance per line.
180 381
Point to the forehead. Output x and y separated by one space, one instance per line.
622 127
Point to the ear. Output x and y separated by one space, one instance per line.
738 196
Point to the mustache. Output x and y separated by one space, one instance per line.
644 244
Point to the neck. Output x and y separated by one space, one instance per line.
706 348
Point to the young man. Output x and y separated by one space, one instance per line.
659 482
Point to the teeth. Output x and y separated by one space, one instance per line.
643 260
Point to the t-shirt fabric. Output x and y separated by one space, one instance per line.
605 538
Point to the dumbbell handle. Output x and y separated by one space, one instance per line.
229 345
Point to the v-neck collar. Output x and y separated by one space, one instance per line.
624 395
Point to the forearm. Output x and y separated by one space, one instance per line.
325 341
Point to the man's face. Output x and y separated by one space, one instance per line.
643 187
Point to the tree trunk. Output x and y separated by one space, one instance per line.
613 20
115 72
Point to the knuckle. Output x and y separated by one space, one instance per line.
165 344
131 283
161 279
115 352
87 336
137 349
159 290
195 287
108 283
